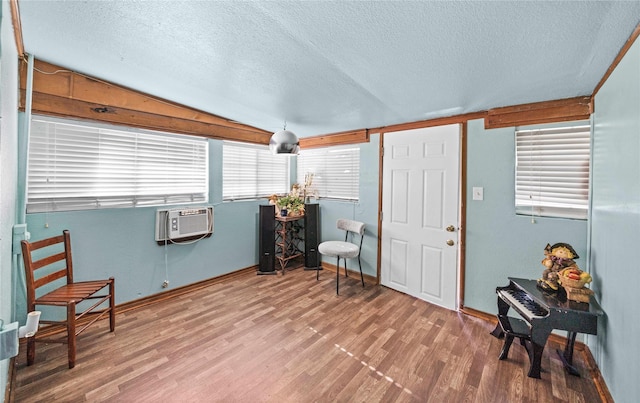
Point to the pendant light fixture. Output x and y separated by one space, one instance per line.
284 142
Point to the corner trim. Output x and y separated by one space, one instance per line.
11 381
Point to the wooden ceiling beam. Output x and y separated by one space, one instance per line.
64 107
17 26
334 139
446 120
562 110
61 92
623 51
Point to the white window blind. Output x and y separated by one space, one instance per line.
552 171
250 171
79 165
336 171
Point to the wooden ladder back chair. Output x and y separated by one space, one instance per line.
68 295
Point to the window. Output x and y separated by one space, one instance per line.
250 171
81 165
336 171
552 171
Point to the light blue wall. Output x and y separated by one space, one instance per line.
8 174
499 243
615 227
365 210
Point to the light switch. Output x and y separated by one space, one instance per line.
478 193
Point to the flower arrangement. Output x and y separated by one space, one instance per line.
294 201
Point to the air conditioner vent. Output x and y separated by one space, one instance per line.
182 223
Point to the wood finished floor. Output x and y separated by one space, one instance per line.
291 339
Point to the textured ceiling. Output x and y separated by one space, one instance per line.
332 66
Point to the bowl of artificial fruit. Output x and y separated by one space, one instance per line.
574 277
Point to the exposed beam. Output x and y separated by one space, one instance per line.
61 92
362 135
616 61
325 140
540 112
65 107
17 26
562 110
447 120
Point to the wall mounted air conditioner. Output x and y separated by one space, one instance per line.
183 223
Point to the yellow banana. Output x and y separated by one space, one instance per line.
586 277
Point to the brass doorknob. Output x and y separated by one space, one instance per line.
450 228
450 242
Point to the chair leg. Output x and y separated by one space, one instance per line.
338 277
71 334
31 349
361 276
112 305
346 273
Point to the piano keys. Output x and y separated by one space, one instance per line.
542 313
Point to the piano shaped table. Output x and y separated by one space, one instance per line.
542 312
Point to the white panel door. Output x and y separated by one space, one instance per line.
420 205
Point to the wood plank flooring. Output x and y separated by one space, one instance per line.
291 339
